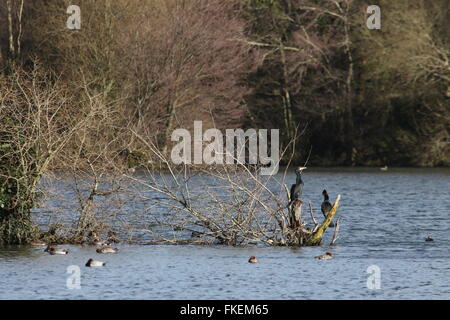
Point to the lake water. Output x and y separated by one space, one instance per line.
386 218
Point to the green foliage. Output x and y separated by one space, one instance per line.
18 176
16 200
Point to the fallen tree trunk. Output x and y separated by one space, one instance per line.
297 234
316 238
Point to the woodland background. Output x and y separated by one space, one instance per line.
357 96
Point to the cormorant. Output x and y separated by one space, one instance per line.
297 188
326 206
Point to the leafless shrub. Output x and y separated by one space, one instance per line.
45 125
34 129
93 165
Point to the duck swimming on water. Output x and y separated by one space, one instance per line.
112 237
95 263
96 241
53 250
326 256
326 206
107 250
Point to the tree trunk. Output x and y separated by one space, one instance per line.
169 128
12 50
349 88
287 105
19 21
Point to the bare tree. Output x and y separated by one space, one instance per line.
229 204
308 69
182 61
45 125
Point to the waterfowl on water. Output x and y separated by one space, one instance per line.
38 243
95 263
385 168
112 237
107 250
326 256
95 239
429 238
253 259
99 242
297 188
53 250
326 206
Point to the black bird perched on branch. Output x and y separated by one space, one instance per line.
297 188
326 206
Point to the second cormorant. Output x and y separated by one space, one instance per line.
326 206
